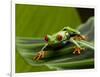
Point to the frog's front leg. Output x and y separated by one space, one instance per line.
77 50
77 47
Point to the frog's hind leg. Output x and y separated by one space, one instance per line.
80 37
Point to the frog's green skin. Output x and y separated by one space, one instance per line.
67 34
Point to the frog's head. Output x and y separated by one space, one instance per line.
56 38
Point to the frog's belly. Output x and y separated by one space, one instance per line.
58 45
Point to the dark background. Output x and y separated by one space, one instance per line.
85 13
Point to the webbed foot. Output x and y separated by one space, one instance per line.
39 56
78 50
80 37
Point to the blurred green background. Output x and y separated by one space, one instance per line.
38 20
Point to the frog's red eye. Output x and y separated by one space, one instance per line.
46 38
59 37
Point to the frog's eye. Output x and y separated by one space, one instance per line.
46 38
59 37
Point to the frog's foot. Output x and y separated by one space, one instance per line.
78 50
80 37
39 56
83 37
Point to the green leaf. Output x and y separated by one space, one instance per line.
64 55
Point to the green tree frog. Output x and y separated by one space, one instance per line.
61 38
